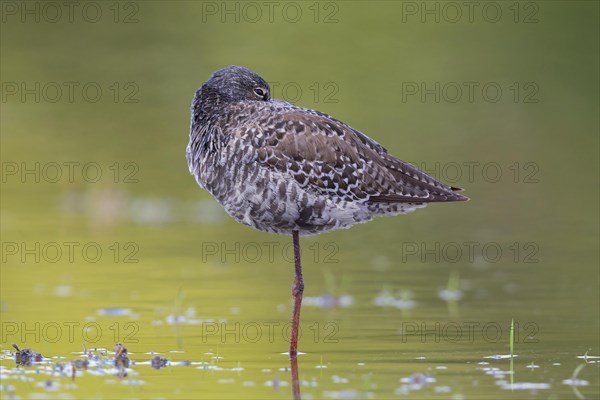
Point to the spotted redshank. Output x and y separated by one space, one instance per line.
290 170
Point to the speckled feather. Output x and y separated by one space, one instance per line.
278 167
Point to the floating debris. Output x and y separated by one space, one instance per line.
452 291
49 385
402 301
496 372
328 301
344 394
121 360
10 389
525 386
575 382
588 358
133 382
276 383
114 312
26 357
79 364
158 362
173 319
416 381
501 356
450 295
442 389
188 317
339 379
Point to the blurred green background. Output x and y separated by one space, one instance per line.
176 276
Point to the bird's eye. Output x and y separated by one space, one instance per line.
259 92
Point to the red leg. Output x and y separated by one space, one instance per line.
295 378
297 290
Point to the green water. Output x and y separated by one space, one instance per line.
177 277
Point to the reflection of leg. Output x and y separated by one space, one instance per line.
297 290
295 377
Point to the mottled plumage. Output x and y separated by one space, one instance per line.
282 168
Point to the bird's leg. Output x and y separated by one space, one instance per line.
295 377
297 290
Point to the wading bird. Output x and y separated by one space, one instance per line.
294 171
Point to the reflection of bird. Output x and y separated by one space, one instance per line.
290 170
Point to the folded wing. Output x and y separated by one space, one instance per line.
329 157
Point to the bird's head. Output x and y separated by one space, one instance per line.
236 84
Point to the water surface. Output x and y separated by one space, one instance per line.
420 305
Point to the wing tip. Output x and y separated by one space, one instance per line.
456 196
446 197
460 197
